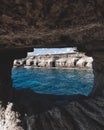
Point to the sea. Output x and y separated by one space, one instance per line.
54 81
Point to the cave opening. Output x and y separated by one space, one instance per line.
67 68
73 62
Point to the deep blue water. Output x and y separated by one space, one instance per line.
54 81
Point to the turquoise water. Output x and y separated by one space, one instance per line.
54 81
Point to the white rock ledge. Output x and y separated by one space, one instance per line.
69 60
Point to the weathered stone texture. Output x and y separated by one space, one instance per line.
44 23
74 60
9 119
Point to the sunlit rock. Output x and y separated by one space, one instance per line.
29 62
71 62
61 62
81 63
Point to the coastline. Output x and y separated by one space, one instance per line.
56 61
61 68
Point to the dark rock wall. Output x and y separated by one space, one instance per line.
98 69
55 23
51 14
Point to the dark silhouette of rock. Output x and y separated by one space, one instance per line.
54 112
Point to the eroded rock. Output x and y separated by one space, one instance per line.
9 119
53 112
74 60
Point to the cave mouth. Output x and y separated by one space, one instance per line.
53 79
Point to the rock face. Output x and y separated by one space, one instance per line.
74 60
50 112
25 24
43 23
98 66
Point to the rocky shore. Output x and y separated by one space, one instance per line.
68 60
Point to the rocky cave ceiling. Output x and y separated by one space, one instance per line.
55 23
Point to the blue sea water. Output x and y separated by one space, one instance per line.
54 81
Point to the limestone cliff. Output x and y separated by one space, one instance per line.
68 60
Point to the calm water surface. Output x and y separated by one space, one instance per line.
54 81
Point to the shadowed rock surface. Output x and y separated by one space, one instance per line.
25 24
50 112
39 23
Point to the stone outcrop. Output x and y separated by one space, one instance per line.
26 24
74 60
